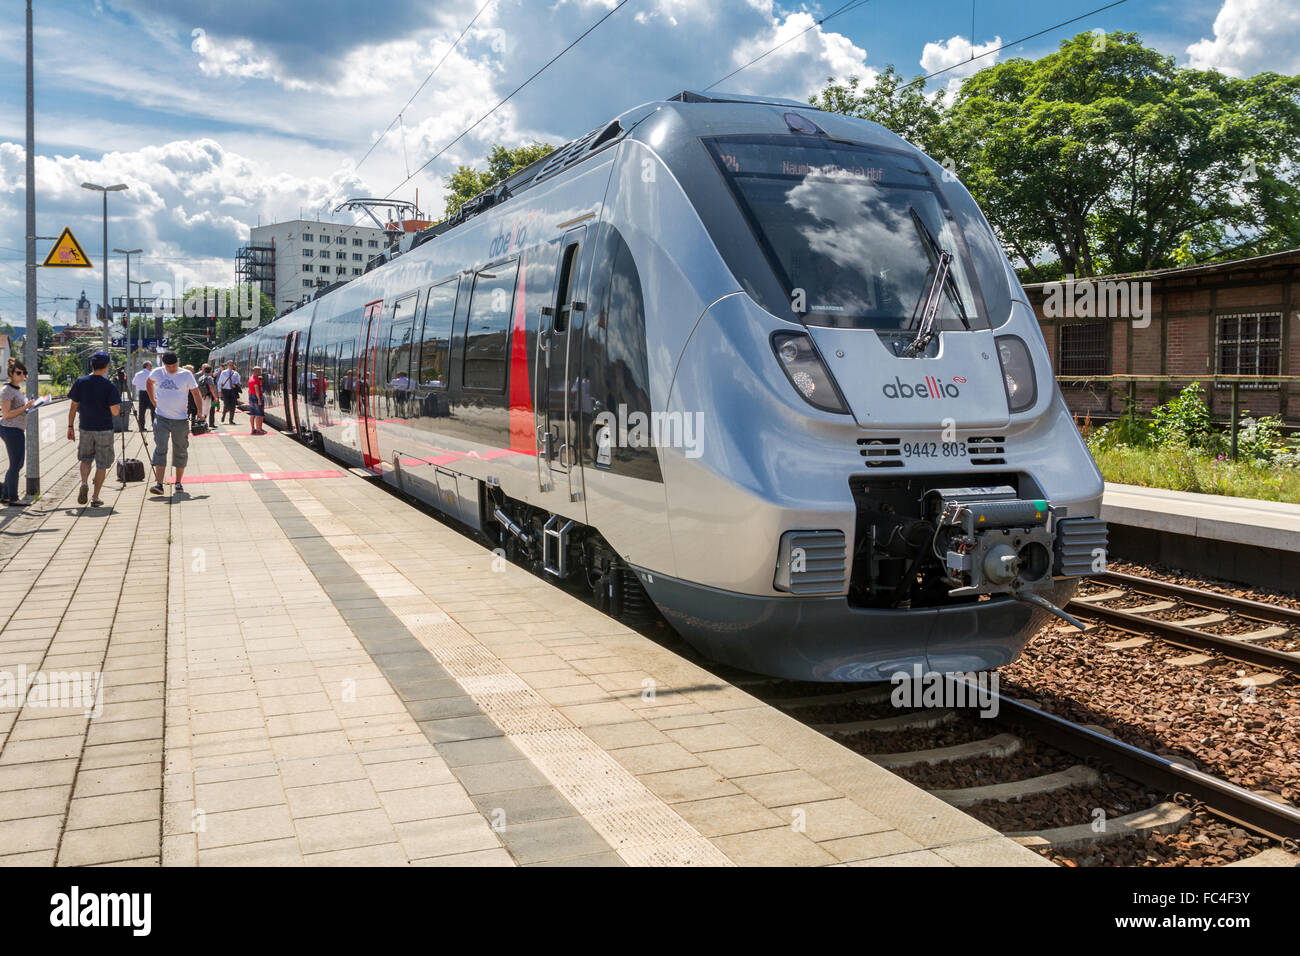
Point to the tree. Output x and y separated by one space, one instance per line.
903 108
1106 157
44 334
466 182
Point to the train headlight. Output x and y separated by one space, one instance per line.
797 356
1017 372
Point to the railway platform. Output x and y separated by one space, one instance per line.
1239 539
287 665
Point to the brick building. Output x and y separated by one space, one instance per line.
1237 317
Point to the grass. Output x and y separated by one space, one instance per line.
49 388
1183 470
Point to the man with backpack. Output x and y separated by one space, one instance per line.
229 383
208 389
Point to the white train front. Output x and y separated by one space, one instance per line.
763 366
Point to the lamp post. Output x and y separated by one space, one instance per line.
139 294
105 190
127 324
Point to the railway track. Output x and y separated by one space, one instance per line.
1275 621
1188 790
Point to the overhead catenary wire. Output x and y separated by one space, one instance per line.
850 7
505 99
980 56
396 119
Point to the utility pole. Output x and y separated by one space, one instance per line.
32 356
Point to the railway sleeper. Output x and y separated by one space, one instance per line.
1076 776
917 720
871 695
1162 818
1001 745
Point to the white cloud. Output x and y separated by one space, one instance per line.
801 66
959 53
1251 36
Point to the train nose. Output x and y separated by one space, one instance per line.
961 381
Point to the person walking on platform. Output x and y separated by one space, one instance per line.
229 383
97 401
170 389
142 395
255 400
211 398
14 407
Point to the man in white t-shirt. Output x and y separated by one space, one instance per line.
139 383
229 383
170 388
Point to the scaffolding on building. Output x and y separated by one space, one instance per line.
256 264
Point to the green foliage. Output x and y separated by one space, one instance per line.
1182 449
44 334
1261 440
466 182
67 368
1184 421
898 105
1108 156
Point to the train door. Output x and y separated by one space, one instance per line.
291 382
286 380
367 408
563 396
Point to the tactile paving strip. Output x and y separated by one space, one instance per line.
637 824
640 827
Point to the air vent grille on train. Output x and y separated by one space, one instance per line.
881 452
811 562
574 152
987 450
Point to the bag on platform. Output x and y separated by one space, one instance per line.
130 469
198 427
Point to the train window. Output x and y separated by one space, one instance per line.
435 347
853 233
618 362
399 343
488 328
345 379
567 270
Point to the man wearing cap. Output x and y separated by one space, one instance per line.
96 399
169 388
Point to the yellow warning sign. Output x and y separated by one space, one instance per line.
67 253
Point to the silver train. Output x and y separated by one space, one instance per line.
762 367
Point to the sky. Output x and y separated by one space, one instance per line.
220 114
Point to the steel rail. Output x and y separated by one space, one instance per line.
1201 598
1277 820
1177 634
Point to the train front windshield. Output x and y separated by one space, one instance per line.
853 233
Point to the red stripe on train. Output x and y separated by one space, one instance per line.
522 438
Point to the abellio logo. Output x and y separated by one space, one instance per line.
930 388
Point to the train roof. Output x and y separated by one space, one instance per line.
700 113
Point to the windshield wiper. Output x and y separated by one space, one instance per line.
925 331
941 262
